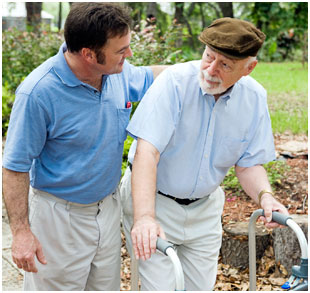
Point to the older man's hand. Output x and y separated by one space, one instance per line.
144 235
270 204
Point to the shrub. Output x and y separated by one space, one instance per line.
127 145
275 172
24 51
151 46
7 103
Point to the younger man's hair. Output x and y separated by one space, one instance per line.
90 24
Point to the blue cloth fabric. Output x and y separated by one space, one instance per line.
70 135
200 139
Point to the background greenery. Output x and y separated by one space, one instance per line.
287 87
167 33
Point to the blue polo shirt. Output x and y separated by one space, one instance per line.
199 139
69 135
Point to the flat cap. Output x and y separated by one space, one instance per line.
233 38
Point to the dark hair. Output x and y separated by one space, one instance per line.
90 24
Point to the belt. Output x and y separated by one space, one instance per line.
182 201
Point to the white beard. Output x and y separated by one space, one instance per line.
207 87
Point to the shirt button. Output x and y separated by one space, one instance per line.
200 178
206 156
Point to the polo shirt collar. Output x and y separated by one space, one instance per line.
62 69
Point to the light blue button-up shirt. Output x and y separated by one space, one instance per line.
70 135
199 139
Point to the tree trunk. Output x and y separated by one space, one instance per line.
151 10
34 15
227 9
215 8
304 49
136 14
178 15
59 16
235 248
202 15
285 243
180 18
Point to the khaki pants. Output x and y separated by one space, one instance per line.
81 244
195 230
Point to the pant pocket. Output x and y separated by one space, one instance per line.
33 203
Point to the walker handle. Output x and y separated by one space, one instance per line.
279 218
162 245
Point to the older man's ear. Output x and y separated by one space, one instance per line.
251 66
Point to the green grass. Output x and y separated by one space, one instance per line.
287 88
284 77
296 122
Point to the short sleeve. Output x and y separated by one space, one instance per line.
26 135
140 79
261 147
158 113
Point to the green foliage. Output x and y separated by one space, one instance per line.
24 51
7 103
285 25
151 46
127 145
21 53
275 171
231 182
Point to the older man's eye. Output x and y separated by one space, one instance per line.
208 57
225 66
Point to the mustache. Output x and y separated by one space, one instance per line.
207 76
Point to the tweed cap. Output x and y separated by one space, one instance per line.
233 38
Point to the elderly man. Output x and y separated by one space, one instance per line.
196 121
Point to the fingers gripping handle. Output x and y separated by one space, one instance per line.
279 218
163 245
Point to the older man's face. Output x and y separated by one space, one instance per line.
218 73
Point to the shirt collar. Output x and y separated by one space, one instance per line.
62 69
226 96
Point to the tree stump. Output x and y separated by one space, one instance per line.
285 243
235 248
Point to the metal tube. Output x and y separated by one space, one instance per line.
252 248
252 241
179 276
134 267
300 236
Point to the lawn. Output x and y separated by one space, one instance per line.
287 87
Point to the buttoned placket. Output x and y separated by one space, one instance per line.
204 167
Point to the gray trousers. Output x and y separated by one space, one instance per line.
196 231
81 243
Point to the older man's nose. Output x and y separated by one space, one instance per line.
213 68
